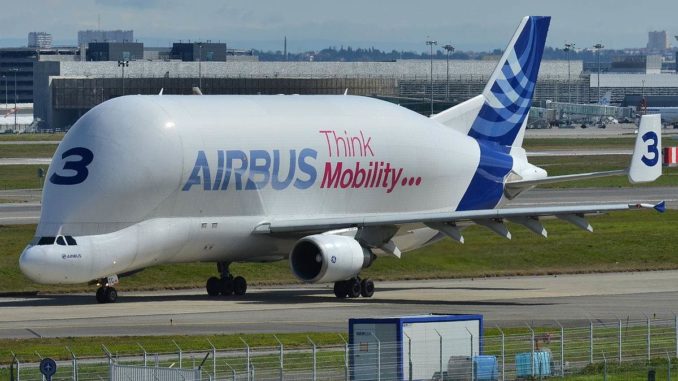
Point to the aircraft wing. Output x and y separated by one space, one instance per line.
445 221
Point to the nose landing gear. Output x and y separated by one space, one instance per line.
106 293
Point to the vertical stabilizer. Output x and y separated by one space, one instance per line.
508 94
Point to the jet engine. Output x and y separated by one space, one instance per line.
324 258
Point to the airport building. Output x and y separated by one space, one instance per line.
115 51
87 36
39 40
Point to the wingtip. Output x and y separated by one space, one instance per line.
660 207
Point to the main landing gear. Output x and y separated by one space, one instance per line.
226 285
106 293
353 288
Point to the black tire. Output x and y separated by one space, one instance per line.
100 295
239 286
367 288
340 289
353 287
226 288
213 286
111 295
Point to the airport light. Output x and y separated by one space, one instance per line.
431 43
449 48
4 79
569 46
598 47
123 64
15 70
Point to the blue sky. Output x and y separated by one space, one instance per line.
314 24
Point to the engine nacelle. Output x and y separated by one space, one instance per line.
328 258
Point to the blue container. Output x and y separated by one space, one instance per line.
542 364
485 368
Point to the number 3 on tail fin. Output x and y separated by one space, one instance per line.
651 149
645 165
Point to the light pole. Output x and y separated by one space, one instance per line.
431 43
568 48
449 48
4 79
123 64
200 66
15 70
598 47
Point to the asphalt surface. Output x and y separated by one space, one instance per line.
569 299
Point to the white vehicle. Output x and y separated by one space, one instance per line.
328 182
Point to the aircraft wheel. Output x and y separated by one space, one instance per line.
340 289
239 285
213 286
367 288
353 287
226 286
110 295
100 295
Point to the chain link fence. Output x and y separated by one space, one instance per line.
609 350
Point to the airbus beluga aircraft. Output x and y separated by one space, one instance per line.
329 183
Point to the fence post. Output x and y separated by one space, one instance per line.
282 358
440 359
346 354
562 349
620 341
180 353
145 356
503 352
532 353
18 366
668 372
675 325
110 361
604 367
590 342
214 360
472 367
409 356
649 339
315 359
378 356
247 349
232 370
75 364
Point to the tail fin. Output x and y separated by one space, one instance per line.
646 163
605 99
508 94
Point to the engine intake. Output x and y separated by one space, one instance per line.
328 258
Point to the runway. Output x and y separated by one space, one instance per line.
570 299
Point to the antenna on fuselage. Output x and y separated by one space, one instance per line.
196 90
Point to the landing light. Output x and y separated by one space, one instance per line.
169 125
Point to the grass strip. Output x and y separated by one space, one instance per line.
619 243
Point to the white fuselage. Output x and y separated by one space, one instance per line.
189 178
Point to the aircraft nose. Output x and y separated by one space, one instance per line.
33 264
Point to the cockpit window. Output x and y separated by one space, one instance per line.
60 241
70 240
46 241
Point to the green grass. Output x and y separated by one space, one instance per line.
31 137
619 243
534 144
564 165
27 150
20 176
